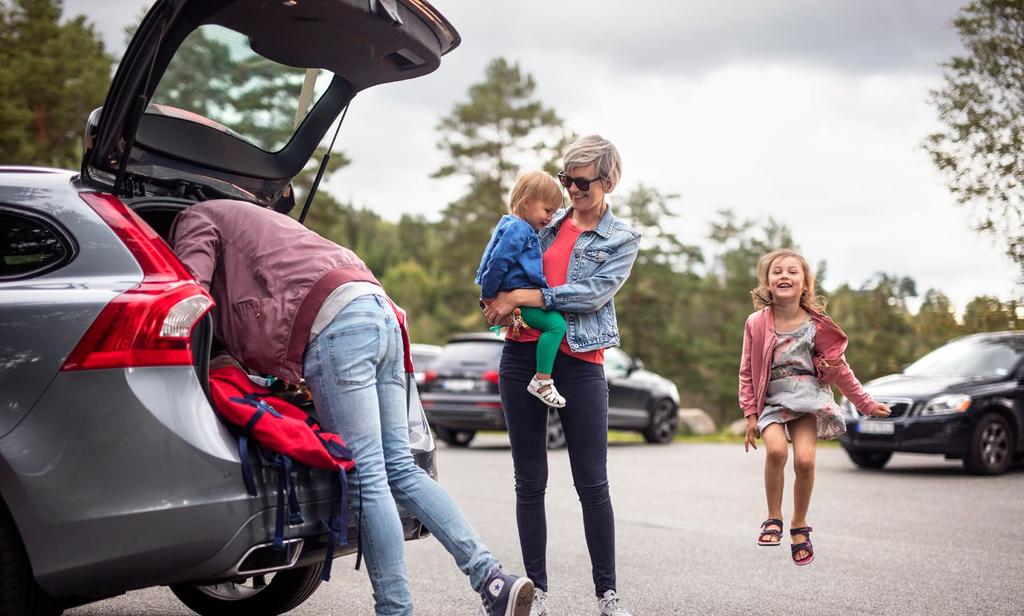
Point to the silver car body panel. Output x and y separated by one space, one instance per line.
43 318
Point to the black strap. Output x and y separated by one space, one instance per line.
243 455
285 493
337 526
282 489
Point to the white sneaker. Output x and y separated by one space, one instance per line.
610 605
539 607
549 396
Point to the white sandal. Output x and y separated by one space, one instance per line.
550 396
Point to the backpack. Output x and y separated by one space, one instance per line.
285 435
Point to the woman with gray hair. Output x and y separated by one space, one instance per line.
588 254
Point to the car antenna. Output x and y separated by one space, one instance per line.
320 171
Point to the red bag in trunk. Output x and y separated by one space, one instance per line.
289 434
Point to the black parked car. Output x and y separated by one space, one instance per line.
460 394
964 400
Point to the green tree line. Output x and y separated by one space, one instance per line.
683 309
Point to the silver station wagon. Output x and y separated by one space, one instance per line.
115 472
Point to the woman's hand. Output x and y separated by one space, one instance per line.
879 410
750 440
497 311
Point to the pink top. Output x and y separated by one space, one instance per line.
829 346
556 271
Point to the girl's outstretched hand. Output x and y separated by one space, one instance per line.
880 410
750 440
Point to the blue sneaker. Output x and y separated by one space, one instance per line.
506 595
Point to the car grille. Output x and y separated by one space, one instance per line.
900 407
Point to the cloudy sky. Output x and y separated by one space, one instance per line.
808 111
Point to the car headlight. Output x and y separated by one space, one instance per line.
947 404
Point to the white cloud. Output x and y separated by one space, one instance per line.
809 111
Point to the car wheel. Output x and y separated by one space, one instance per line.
869 459
990 449
260 595
19 593
664 421
455 438
556 435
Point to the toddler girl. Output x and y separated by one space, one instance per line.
512 260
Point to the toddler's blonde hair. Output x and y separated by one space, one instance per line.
531 186
809 299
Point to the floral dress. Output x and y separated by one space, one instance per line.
794 390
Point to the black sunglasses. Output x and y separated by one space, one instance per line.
581 183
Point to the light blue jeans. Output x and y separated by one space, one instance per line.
356 372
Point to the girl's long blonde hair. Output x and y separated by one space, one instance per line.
809 299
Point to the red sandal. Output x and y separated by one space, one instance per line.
770 533
803 545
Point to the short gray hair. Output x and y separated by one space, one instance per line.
598 150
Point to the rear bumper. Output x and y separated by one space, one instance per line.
463 412
945 435
123 479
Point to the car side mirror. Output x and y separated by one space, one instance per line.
636 365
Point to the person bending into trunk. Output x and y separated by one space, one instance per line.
293 304
512 260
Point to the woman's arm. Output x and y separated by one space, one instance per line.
593 292
497 310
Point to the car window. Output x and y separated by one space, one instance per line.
972 357
422 360
28 246
216 79
472 352
616 362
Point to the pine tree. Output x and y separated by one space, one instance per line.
52 75
499 130
981 148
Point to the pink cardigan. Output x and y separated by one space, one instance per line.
829 345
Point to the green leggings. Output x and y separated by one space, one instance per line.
551 324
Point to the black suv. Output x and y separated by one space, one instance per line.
460 394
964 400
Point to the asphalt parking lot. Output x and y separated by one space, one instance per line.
919 537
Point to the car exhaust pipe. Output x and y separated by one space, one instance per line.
265 558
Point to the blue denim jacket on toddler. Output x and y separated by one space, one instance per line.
598 267
512 259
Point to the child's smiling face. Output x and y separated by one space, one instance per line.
786 279
538 213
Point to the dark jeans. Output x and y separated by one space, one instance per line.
585 421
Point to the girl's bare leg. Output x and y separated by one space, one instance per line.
775 453
804 433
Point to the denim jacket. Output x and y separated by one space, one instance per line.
512 259
598 267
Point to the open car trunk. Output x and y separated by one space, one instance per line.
216 98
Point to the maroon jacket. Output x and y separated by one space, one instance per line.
269 276
830 364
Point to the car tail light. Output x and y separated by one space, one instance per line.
429 376
150 324
491 376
